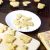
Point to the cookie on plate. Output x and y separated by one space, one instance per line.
3 28
22 48
26 39
9 38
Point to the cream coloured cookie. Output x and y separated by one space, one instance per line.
8 38
25 18
40 6
26 39
12 0
1 1
36 0
14 4
25 3
10 31
45 39
7 47
21 48
2 28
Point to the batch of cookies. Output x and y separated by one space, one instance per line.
15 3
10 40
23 21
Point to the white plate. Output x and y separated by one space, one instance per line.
33 45
12 15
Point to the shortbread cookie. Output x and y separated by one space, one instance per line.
36 0
12 0
45 39
3 28
40 6
1 1
25 3
14 4
26 39
9 38
21 48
